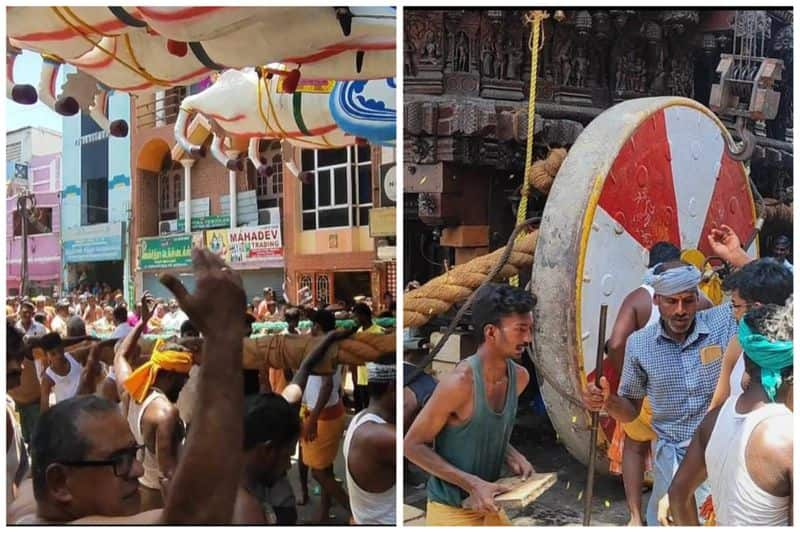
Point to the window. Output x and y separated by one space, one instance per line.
177 188
95 191
339 193
170 194
14 151
41 221
269 185
94 175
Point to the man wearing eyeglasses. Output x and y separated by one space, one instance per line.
758 283
85 469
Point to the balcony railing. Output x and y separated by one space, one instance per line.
162 110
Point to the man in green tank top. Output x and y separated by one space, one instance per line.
461 436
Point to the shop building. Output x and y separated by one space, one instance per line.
33 164
340 223
246 232
96 201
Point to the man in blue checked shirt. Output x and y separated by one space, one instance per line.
676 362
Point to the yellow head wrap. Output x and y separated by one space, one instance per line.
139 382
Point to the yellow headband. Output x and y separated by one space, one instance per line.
141 380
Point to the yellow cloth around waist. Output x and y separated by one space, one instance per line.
439 514
362 376
321 452
641 429
139 382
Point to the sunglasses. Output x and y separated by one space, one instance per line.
121 461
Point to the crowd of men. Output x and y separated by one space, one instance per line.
703 391
104 429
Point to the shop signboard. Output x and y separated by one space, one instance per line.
209 222
165 252
98 242
246 245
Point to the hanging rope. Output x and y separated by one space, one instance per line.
283 135
534 18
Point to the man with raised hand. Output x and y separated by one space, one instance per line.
84 455
745 446
676 363
151 392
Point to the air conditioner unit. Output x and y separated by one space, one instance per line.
270 215
165 227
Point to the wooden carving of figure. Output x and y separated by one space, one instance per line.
580 71
409 51
498 62
514 64
487 60
462 54
620 74
429 50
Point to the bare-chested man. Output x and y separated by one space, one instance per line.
85 468
152 414
461 436
369 449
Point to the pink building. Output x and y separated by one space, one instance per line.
44 173
44 238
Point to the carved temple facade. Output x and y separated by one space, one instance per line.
466 89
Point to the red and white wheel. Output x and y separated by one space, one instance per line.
646 170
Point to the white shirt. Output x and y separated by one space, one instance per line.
66 387
174 320
738 501
36 329
367 507
59 325
788 265
314 385
121 331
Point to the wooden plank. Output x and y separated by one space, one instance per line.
465 236
522 492
412 514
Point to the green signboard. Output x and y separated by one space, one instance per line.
210 222
166 252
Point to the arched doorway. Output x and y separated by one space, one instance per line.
159 184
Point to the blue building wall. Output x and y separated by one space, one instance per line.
119 175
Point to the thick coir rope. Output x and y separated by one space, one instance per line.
440 294
500 263
288 351
542 173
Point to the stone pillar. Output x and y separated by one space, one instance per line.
187 194
233 154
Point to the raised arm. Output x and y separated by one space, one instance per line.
727 245
91 369
214 446
293 392
723 390
122 366
449 396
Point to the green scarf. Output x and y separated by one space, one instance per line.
770 356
